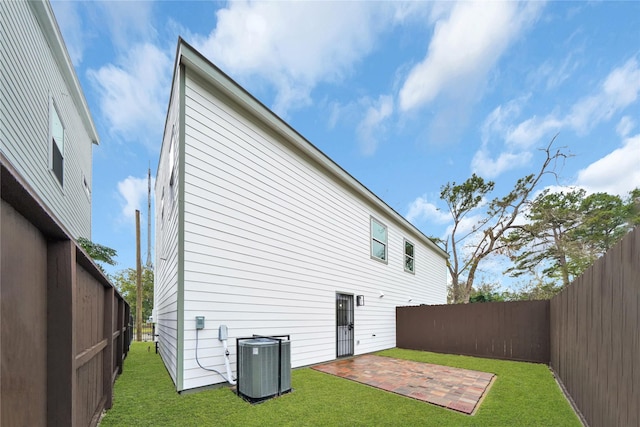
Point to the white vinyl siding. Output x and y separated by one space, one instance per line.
167 256
30 82
256 253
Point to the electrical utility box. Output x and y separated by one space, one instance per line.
199 322
264 367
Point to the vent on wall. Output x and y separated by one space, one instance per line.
264 367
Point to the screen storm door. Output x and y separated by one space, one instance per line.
344 322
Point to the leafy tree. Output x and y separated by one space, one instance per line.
539 290
549 236
488 292
633 207
125 282
566 232
99 253
467 248
536 287
605 221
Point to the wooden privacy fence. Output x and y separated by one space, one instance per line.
595 337
589 334
500 330
63 331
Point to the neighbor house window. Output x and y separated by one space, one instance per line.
162 209
172 155
378 241
86 187
409 260
57 145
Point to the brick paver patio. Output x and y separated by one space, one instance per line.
453 388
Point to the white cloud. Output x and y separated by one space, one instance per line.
464 48
625 126
372 127
467 230
619 90
616 92
423 210
529 132
128 22
553 75
133 192
133 94
616 173
403 11
497 122
291 45
125 22
485 166
71 26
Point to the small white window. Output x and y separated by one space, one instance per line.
162 209
57 144
409 257
172 155
378 241
85 185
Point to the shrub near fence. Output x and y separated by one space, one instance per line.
63 331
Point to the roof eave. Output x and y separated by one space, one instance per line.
193 59
45 16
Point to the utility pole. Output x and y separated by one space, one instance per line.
138 281
149 264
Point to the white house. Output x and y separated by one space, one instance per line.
258 230
46 129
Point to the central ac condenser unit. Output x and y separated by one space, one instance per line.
264 367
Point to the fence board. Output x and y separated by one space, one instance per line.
589 334
595 337
55 318
502 330
23 308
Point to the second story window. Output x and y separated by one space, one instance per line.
162 209
172 156
378 241
409 260
57 145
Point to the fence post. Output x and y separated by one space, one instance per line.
107 358
127 327
121 336
61 371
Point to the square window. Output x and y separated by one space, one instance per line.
409 260
378 241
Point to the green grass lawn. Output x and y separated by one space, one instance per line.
524 394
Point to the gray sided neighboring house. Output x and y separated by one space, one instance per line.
46 129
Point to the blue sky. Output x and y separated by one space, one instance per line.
405 96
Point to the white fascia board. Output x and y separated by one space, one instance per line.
194 61
44 14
